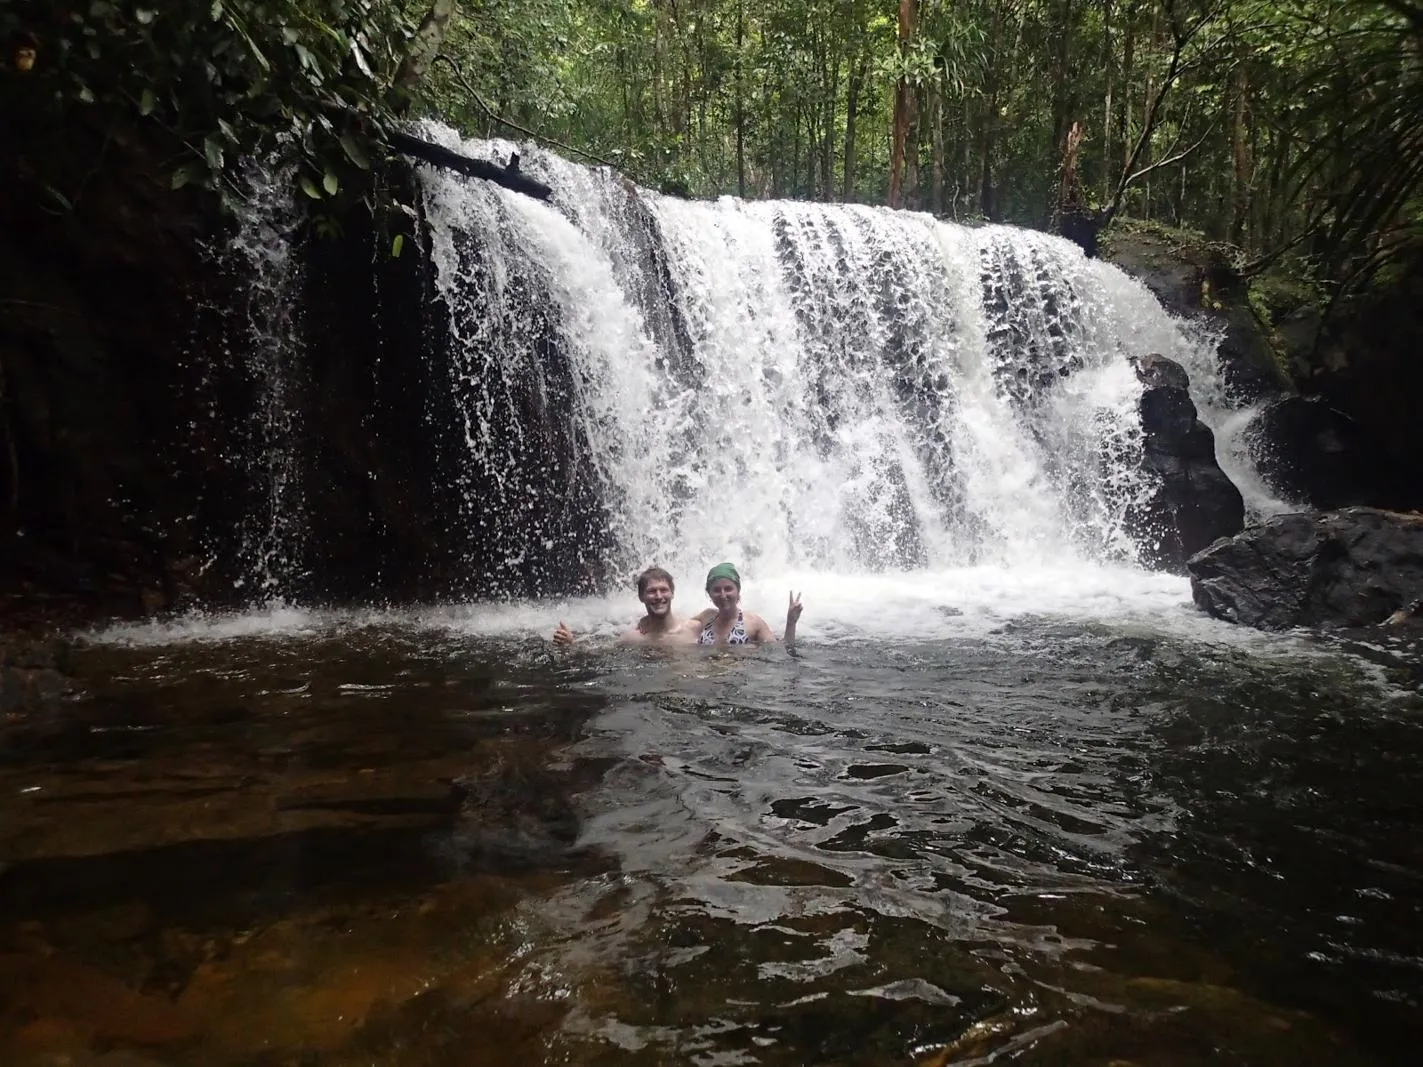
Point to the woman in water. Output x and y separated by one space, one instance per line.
728 624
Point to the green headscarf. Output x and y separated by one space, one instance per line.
723 570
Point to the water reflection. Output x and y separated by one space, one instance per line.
1051 843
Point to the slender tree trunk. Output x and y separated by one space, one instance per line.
1124 116
913 193
936 106
658 111
812 149
1061 91
852 105
830 95
426 44
1240 155
1108 70
1144 157
741 98
988 128
901 107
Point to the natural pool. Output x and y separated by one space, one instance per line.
972 820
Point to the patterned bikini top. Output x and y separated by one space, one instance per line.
736 637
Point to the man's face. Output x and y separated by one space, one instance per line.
656 596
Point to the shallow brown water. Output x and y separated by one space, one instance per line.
382 844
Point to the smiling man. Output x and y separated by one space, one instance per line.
655 588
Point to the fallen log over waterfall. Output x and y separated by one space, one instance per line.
510 177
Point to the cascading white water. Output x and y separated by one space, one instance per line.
267 342
1229 420
799 386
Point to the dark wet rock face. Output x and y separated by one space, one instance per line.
1194 280
1194 502
1356 567
1311 452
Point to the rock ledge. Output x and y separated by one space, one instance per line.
1355 567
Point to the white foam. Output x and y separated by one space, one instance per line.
276 619
948 605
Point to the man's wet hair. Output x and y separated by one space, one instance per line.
654 574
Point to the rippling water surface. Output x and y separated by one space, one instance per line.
963 824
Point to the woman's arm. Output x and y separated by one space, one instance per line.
793 610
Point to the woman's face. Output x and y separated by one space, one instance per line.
724 593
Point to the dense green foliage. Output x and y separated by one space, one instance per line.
1276 124
225 78
1291 125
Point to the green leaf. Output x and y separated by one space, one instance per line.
86 94
144 15
63 200
397 246
330 184
146 102
309 187
216 12
360 58
354 152
212 152
187 174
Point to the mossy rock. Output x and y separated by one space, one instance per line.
1197 278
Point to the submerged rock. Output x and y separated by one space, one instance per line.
32 675
1355 567
1194 503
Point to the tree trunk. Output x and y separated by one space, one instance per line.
901 107
938 192
852 105
912 194
426 45
830 94
1061 102
1124 115
741 98
1108 65
1240 156
990 117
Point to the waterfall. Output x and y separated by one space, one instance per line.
787 385
264 338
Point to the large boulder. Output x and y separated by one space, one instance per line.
1355 567
1193 503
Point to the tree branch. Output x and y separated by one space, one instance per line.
426 45
1181 35
1170 159
1411 11
509 177
464 83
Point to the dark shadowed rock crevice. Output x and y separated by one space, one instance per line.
1193 502
1356 567
1339 393
1306 450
